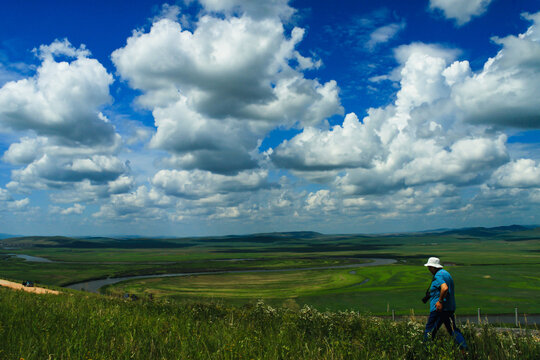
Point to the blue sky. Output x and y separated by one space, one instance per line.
219 117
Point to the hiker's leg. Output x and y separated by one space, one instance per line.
432 325
457 335
445 319
437 325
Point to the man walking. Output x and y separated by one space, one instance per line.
442 304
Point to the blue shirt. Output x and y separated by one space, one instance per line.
449 303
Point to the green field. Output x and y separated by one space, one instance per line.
377 290
75 325
494 269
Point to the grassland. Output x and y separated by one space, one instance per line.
245 286
76 325
494 269
377 290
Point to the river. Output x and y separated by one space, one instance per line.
31 258
95 285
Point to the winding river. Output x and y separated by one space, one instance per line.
30 258
95 285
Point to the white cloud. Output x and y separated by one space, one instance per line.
416 156
5 195
122 184
90 191
62 100
199 184
171 12
68 140
17 205
61 47
418 140
75 209
29 149
55 172
404 52
460 10
505 91
443 129
13 206
254 8
218 83
384 34
140 204
218 90
349 145
226 213
321 200
521 173
465 161
515 205
423 204
24 152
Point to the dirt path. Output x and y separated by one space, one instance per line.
36 290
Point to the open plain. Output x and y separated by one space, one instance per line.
495 269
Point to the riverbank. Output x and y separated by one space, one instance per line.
35 290
95 285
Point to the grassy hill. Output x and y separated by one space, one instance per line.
77 325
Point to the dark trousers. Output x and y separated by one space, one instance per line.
436 319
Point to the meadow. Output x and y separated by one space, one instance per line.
494 269
77 325
377 290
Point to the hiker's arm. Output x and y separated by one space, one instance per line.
444 291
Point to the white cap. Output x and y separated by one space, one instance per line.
434 262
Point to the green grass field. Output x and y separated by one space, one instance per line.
75 325
377 290
494 269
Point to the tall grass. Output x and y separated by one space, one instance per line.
87 326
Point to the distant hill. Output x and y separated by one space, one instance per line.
296 234
483 231
90 243
7 236
510 233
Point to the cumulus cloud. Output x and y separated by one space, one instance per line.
70 139
8 203
75 209
504 92
217 90
62 100
444 127
198 184
321 200
17 205
515 205
253 8
413 156
5 195
521 173
460 10
418 140
48 172
86 190
120 185
350 145
140 204
219 83
421 203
